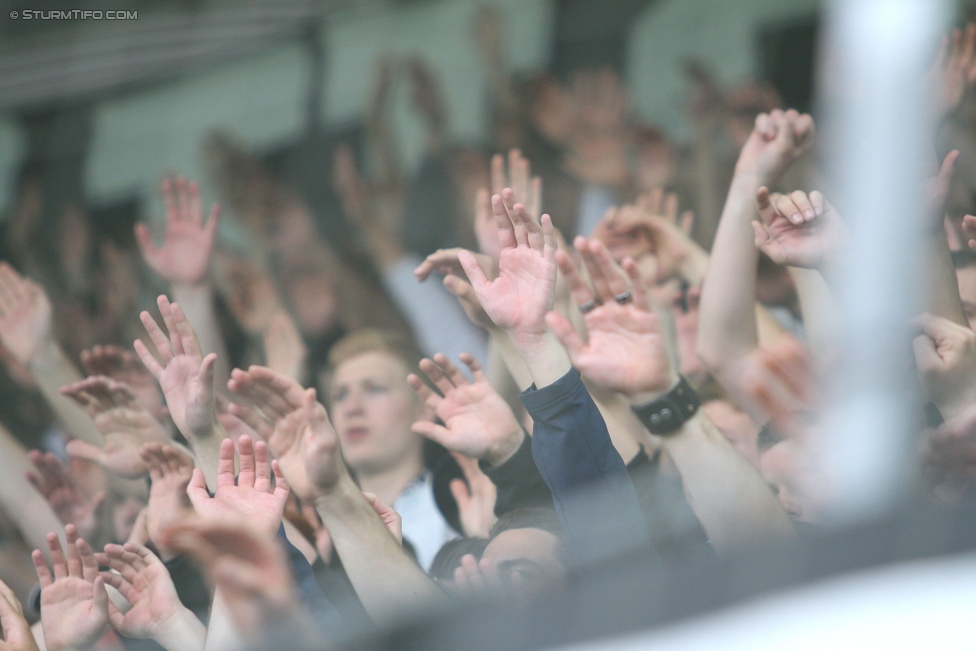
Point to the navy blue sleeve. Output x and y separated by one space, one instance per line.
590 487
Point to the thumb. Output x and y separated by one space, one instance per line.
85 450
100 594
196 490
461 494
473 270
927 359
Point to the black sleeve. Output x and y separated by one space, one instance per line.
518 481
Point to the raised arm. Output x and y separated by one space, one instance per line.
25 331
187 380
122 419
727 322
570 445
155 611
306 446
626 351
183 260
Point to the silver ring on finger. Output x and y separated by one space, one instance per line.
625 297
588 306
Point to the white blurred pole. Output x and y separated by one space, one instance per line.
878 134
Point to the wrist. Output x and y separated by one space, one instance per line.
667 414
505 449
650 395
47 355
545 358
180 630
338 497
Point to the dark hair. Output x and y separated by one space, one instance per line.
449 557
535 518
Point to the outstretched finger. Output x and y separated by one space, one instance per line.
166 311
187 337
159 339
601 286
506 228
452 372
245 456
225 464
425 394
616 278
262 467
578 289
437 375
476 372
642 298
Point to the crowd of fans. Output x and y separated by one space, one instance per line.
510 367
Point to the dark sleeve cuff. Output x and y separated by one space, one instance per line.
549 401
518 482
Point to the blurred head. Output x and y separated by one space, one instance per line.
371 404
965 263
529 550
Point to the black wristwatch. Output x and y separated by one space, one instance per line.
668 413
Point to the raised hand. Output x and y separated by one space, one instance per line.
184 257
124 366
445 262
247 567
74 604
476 578
527 190
477 422
945 357
170 471
251 496
518 299
626 350
17 635
25 315
954 70
124 421
62 492
779 383
295 425
185 376
653 235
144 581
475 496
798 230
777 141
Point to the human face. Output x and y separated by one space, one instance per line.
373 408
527 560
967 292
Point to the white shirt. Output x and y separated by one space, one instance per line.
423 525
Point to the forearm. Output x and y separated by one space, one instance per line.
196 299
626 432
727 322
821 316
384 577
503 352
943 288
181 632
732 501
591 488
206 449
26 507
52 370
543 355
222 634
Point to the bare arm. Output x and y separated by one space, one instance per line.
729 497
298 431
727 328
